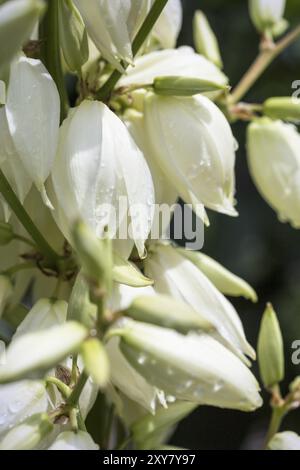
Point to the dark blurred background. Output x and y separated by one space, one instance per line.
256 245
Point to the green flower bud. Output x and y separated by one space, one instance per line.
295 385
95 255
96 361
80 307
17 20
73 36
285 108
164 311
285 441
6 233
127 273
184 86
270 349
225 281
205 40
32 354
29 434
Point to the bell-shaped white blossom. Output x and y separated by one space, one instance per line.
113 24
193 144
195 368
274 162
98 164
33 110
285 441
181 62
168 25
266 14
74 441
176 276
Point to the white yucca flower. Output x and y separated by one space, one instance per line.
98 163
285 441
113 24
32 111
168 25
266 14
195 368
177 276
193 144
74 441
274 162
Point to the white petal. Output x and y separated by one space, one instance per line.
74 441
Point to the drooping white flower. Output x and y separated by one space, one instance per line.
181 62
168 25
266 14
176 276
74 441
113 24
33 110
193 144
195 368
285 441
97 164
17 20
274 162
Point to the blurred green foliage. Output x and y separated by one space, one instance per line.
255 245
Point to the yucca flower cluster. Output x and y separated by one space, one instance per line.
141 323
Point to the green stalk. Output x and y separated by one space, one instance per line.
75 395
51 53
14 203
146 28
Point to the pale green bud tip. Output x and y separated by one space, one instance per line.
2 93
95 255
285 108
96 361
185 86
6 233
267 15
270 349
205 40
162 310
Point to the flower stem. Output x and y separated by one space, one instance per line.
153 15
277 416
24 240
12 200
264 59
19 267
75 395
51 54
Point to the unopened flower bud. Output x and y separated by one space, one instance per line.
285 441
95 254
2 93
184 86
6 233
205 39
80 307
195 368
270 349
73 36
6 291
273 158
95 361
266 14
285 108
164 311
